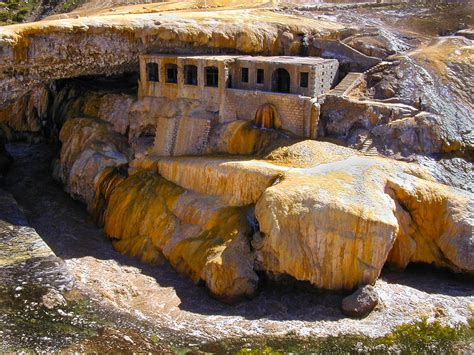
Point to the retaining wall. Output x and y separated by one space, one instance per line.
295 111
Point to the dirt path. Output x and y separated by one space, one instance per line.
158 295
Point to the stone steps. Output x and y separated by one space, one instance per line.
367 148
350 81
381 67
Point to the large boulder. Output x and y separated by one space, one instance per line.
361 302
336 224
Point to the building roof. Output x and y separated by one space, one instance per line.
203 57
253 59
284 60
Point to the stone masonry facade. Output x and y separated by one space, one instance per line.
293 109
227 88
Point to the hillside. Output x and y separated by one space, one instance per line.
17 11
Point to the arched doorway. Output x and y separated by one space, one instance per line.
281 80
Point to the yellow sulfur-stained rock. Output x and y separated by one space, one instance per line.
336 224
309 153
237 182
147 217
325 213
245 138
435 225
88 147
320 221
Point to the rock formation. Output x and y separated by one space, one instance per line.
258 200
147 216
361 302
347 215
88 147
103 45
318 208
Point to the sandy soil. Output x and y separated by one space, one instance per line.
158 295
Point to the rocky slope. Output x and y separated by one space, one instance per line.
427 66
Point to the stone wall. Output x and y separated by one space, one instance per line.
294 110
210 95
192 135
188 135
165 136
324 77
181 136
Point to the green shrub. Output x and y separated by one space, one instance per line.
13 6
4 16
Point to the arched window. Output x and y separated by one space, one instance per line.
190 75
212 76
171 73
281 81
152 72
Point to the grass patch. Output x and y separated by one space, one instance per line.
18 11
15 11
422 337
68 5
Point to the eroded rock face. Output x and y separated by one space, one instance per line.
240 138
27 113
147 216
89 146
238 182
346 216
326 214
434 222
105 45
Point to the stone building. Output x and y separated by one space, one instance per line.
224 88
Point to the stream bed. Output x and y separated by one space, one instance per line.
120 304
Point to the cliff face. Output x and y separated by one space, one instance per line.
35 53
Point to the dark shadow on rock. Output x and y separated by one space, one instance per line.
428 279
